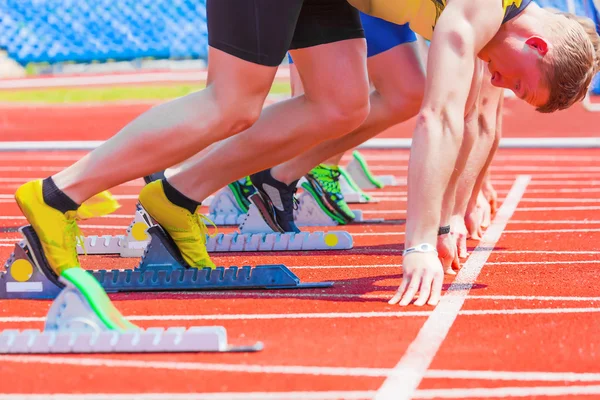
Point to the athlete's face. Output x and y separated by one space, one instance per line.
516 65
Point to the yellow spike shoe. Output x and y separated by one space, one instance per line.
187 230
58 232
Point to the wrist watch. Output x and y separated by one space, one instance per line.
422 248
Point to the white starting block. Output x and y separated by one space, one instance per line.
352 193
132 244
75 323
365 179
255 234
224 210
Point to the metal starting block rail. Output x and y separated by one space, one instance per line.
162 268
73 327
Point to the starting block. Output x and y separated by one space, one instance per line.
73 327
360 172
309 213
351 191
132 244
224 209
162 268
254 224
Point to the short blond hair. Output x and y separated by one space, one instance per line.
573 62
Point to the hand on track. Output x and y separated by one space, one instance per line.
423 273
459 230
447 248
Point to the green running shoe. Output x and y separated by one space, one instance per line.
323 182
242 190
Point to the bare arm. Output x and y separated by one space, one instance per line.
461 32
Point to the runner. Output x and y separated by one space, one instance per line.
248 40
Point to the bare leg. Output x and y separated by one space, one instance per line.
291 126
398 78
174 131
297 90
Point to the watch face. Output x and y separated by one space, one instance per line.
424 247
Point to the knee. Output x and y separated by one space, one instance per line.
234 117
403 102
345 112
240 117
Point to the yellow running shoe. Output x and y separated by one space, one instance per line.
187 230
58 232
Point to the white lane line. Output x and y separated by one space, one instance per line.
574 208
413 365
534 298
553 230
531 169
301 370
580 176
402 155
557 182
559 200
517 263
555 222
505 392
329 395
334 315
510 231
559 190
567 252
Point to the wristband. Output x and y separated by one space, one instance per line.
422 248
444 230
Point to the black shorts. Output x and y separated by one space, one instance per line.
262 31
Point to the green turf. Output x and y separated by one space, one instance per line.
111 93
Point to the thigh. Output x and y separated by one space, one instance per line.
257 31
326 21
333 72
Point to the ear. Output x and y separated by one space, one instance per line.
539 44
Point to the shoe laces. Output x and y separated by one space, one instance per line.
329 179
74 236
200 221
288 213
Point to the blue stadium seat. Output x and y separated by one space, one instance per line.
100 30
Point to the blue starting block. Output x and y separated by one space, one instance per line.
162 268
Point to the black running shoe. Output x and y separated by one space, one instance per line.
276 201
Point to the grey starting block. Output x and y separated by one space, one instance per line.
359 170
72 327
162 268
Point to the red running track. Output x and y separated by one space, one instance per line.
528 327
101 121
